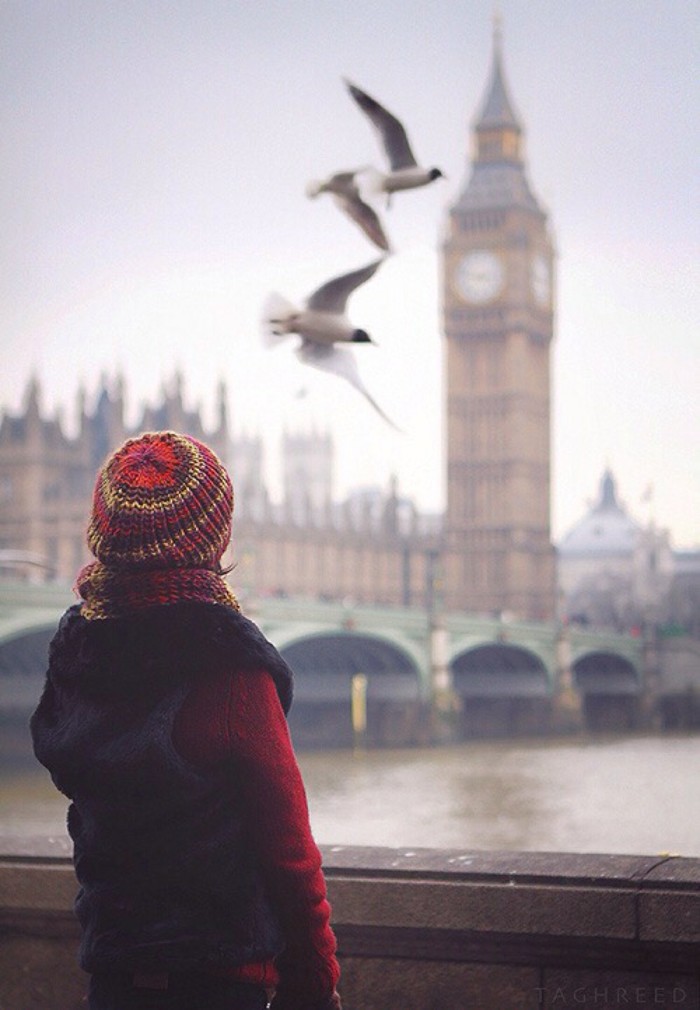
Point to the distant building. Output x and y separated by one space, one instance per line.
251 495
499 300
307 465
47 477
373 548
617 572
683 609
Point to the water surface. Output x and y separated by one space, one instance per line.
636 795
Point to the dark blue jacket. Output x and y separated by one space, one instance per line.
168 879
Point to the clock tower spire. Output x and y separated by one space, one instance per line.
498 320
497 128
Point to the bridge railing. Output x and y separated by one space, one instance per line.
422 929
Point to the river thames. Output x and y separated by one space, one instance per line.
623 794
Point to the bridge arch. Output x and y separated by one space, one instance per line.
498 669
324 665
504 688
609 685
23 662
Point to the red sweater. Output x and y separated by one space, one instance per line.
238 716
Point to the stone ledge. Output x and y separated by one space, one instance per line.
535 867
653 899
675 871
671 916
421 928
487 907
49 887
36 848
418 944
663 871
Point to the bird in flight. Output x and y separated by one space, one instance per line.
404 171
323 324
345 191
323 319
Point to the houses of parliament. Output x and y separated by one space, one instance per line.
491 550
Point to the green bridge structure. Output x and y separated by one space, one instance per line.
398 676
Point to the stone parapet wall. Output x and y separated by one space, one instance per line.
422 929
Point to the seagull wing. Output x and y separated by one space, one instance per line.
342 182
332 296
364 216
390 129
339 362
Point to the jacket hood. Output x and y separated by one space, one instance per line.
165 645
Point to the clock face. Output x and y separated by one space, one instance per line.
479 276
540 280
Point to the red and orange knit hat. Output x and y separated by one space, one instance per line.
162 500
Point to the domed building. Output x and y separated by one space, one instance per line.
612 570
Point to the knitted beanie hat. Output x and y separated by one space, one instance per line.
162 500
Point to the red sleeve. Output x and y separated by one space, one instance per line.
240 716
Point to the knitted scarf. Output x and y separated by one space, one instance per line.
107 592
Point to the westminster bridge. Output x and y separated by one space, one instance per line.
405 675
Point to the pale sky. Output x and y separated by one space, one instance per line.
153 193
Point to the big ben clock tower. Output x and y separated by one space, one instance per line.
498 298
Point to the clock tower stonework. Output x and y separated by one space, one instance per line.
498 299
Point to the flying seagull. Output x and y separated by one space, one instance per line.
346 194
322 320
405 173
323 324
